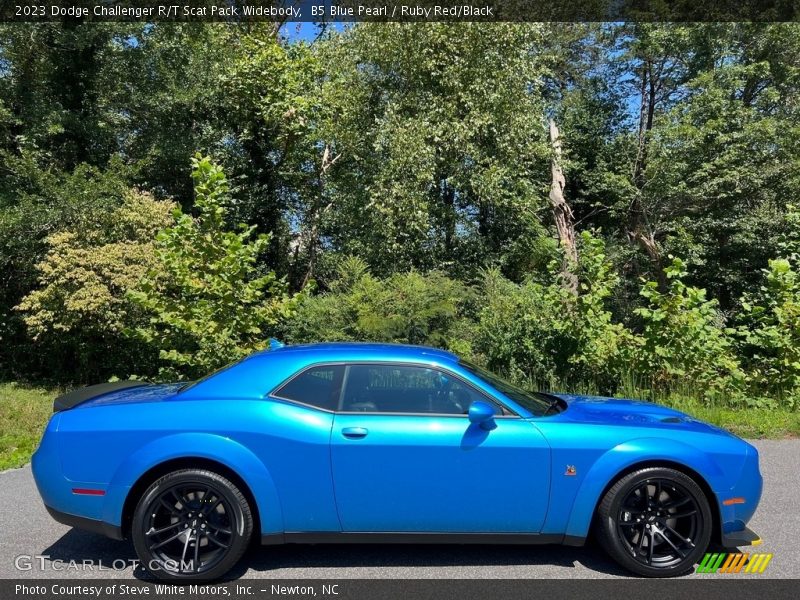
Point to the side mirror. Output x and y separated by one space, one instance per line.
482 413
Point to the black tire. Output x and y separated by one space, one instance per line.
191 525
655 522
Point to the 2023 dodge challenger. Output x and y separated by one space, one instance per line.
387 443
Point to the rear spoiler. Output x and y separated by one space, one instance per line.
83 394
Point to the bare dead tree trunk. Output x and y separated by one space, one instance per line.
315 216
562 214
639 230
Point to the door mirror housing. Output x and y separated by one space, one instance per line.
482 413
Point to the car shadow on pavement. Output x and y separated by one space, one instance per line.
81 547
411 556
90 552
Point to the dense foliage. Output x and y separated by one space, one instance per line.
394 182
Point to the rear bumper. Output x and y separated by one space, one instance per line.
101 527
745 537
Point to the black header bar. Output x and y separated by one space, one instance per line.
348 11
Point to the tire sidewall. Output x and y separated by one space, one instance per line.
242 527
610 509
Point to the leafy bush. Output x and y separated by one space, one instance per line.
685 342
209 302
520 329
80 311
772 337
542 333
770 328
409 308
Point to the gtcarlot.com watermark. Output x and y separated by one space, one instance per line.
44 562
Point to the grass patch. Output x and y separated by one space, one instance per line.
748 423
24 411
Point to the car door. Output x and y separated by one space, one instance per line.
406 458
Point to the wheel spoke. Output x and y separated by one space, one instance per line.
679 536
641 540
196 564
645 495
677 503
212 507
674 547
213 539
166 541
687 513
179 499
650 544
173 510
163 529
185 547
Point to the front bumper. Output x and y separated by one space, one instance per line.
738 504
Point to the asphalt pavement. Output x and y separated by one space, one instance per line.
28 534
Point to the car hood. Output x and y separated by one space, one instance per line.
621 411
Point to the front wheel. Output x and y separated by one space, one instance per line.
191 525
655 522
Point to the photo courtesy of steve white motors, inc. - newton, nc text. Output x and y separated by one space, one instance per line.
345 299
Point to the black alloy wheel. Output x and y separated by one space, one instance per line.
191 525
655 522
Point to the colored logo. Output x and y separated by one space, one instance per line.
733 563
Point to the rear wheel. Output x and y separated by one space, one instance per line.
191 525
655 522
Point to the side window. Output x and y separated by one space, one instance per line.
318 386
406 389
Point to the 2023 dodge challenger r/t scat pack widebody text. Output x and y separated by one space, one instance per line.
387 443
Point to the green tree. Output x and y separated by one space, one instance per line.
80 311
209 301
444 156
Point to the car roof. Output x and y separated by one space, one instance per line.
261 372
362 351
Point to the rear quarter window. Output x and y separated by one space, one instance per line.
317 386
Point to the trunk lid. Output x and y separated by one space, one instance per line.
117 392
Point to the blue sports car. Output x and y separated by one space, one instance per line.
387 443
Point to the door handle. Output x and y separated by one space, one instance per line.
355 433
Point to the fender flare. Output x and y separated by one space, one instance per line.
623 456
209 446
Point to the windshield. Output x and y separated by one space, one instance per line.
537 403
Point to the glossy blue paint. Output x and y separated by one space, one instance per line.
313 470
415 473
